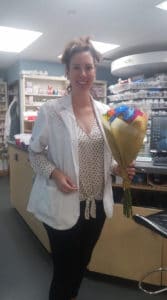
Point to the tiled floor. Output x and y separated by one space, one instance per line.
26 268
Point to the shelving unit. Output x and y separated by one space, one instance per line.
3 109
34 91
149 95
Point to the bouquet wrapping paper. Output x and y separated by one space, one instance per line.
125 128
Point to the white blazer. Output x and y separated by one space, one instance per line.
55 129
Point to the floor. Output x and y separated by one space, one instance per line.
26 268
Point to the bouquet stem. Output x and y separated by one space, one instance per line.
127 203
127 197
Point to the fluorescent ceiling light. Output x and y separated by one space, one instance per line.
16 40
104 47
162 5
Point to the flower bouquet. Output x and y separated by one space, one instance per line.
125 128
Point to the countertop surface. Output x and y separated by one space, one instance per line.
19 147
144 167
149 167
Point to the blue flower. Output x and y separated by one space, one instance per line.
121 109
128 114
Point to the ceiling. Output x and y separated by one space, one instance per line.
136 25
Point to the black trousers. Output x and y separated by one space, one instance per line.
71 252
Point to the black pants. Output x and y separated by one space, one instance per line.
71 252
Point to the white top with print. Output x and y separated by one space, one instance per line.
91 163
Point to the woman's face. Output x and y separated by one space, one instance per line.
82 71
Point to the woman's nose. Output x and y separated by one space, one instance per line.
83 72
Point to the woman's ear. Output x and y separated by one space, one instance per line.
67 74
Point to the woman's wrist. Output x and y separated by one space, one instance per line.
54 173
116 170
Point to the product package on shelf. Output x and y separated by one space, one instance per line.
3 109
22 140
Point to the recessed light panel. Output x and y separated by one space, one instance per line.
104 47
16 40
162 5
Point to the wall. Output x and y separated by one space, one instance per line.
53 69
2 74
12 73
104 73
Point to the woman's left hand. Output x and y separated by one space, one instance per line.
131 171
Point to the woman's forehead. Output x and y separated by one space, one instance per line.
84 56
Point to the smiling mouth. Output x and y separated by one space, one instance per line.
82 82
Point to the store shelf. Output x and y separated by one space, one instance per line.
158 188
99 90
35 90
43 95
3 109
141 85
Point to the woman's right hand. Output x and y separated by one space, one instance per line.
63 181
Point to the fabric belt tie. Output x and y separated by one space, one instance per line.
90 208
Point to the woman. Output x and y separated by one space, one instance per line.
72 192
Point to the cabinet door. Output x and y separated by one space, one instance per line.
21 178
127 249
164 261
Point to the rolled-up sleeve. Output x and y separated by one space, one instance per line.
40 163
39 138
38 146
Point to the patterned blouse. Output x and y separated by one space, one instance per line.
91 167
